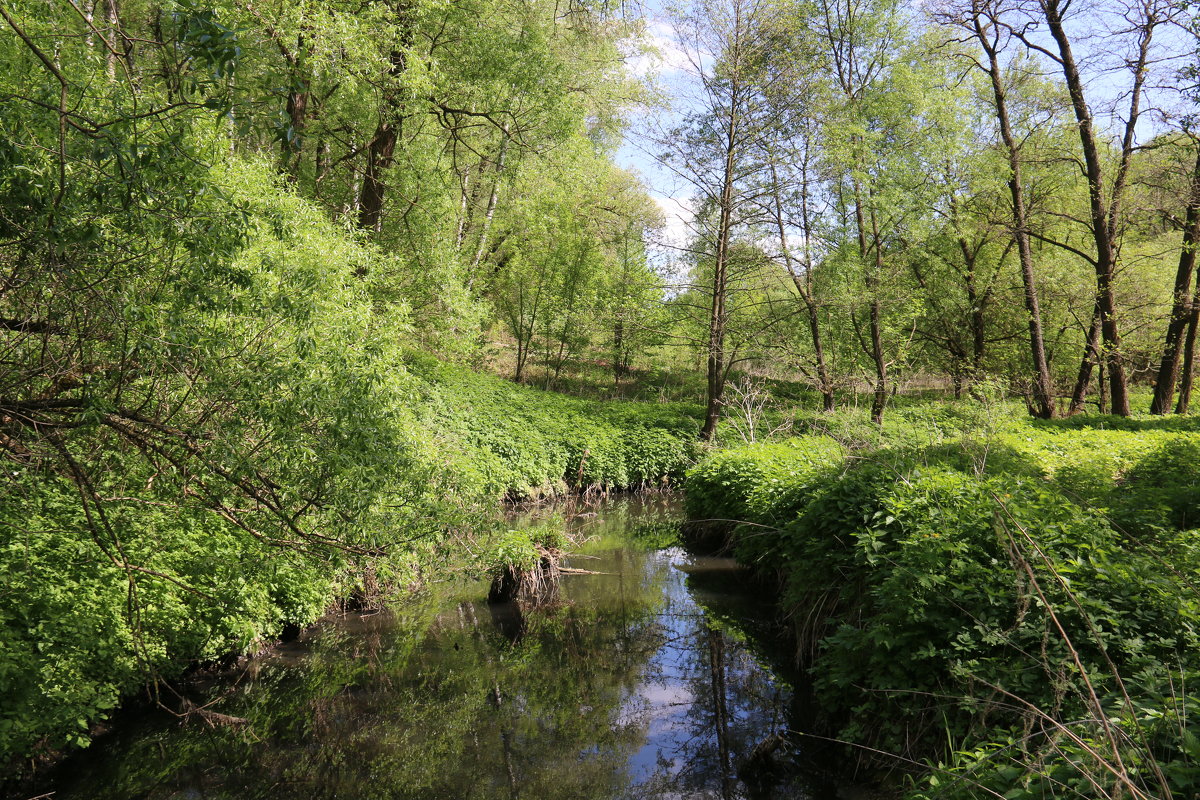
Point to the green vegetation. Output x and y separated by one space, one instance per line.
263 262
510 440
201 586
1020 603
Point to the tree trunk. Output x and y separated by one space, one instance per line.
716 652
379 158
522 357
1091 356
715 364
1101 389
718 315
803 282
978 321
115 38
380 151
465 201
493 196
1104 210
1189 355
523 320
618 365
1168 370
879 400
1043 391
297 111
825 385
875 351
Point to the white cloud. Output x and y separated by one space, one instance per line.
678 214
657 53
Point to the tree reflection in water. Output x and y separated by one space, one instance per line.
638 682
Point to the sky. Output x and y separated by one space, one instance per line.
1099 45
668 65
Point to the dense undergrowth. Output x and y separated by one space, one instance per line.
80 629
1012 604
505 440
229 483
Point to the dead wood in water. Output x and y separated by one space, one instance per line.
213 719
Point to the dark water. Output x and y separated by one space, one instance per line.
650 680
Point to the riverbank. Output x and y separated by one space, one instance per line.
1007 609
642 679
80 630
916 564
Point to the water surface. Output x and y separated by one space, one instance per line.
649 679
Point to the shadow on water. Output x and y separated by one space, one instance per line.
651 677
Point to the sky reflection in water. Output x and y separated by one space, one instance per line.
644 681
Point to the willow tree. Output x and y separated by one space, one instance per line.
879 134
566 254
980 20
186 404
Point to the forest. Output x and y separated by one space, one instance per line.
297 296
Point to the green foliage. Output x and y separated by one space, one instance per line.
407 706
229 233
71 650
1158 754
516 549
765 484
207 427
1162 489
216 462
274 454
510 440
954 590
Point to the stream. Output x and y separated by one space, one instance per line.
651 676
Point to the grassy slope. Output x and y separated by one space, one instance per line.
501 439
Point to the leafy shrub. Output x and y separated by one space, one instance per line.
1162 490
930 579
757 483
948 590
1146 748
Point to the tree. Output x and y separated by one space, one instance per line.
566 253
711 150
879 129
1168 371
1142 20
981 22
791 200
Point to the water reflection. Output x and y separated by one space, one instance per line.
636 682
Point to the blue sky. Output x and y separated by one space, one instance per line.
665 63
